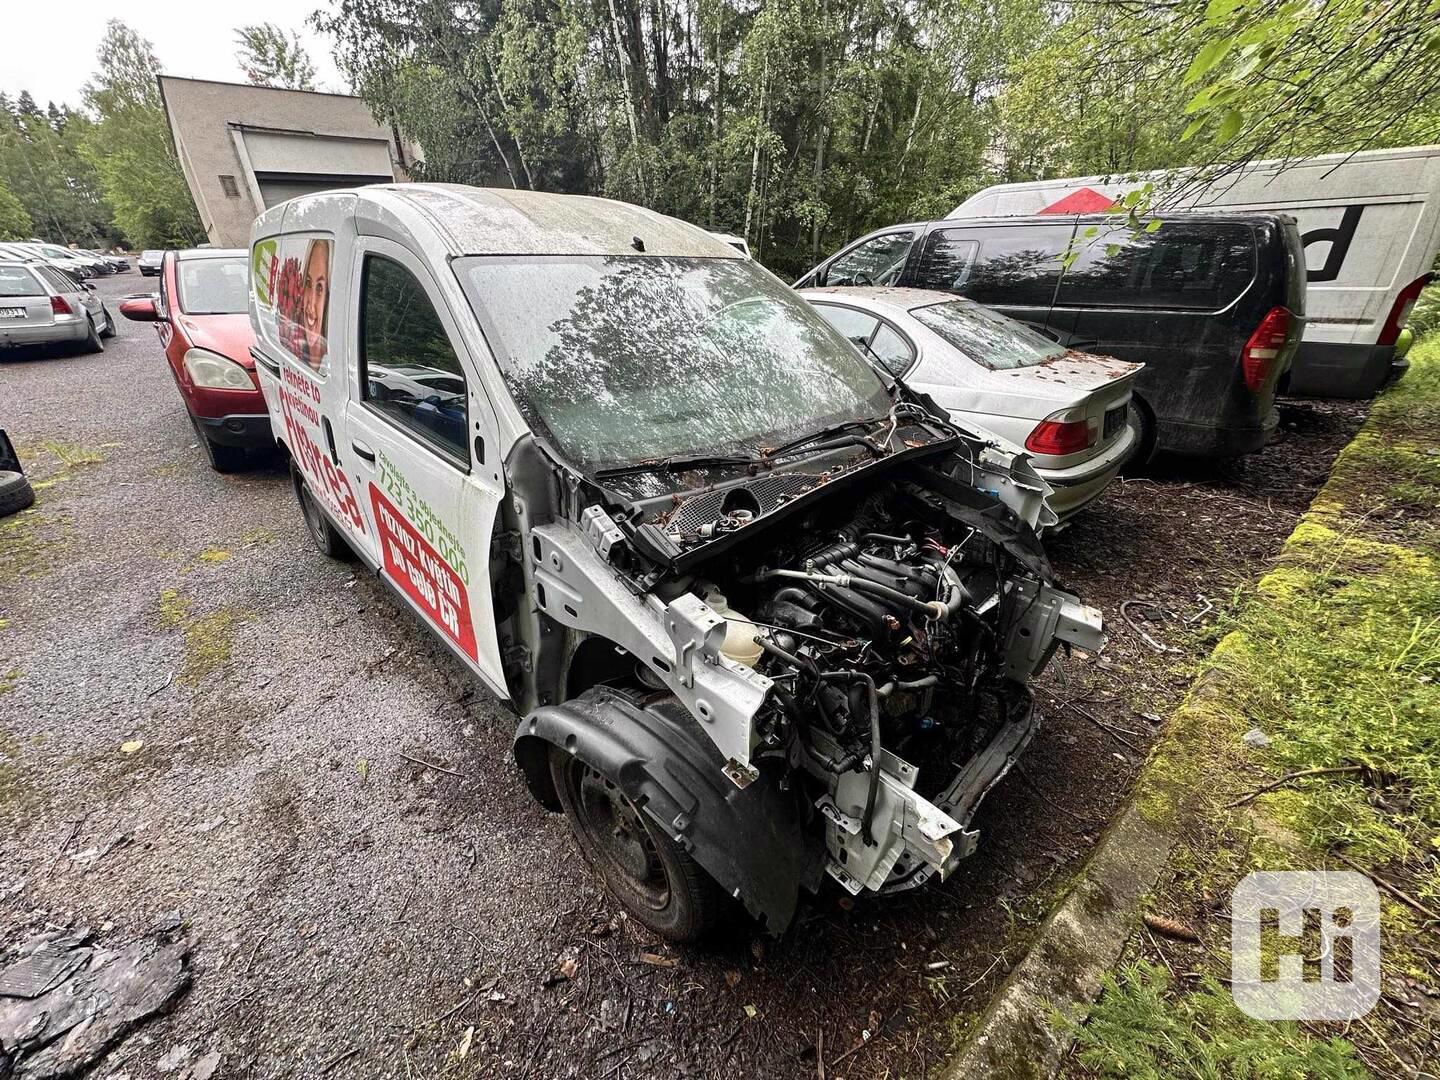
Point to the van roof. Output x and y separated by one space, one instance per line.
1118 220
501 221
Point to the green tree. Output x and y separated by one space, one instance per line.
270 57
41 165
14 220
129 145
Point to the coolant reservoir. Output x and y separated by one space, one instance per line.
740 632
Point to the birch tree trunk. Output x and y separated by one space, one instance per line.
755 153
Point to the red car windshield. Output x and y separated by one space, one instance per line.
212 286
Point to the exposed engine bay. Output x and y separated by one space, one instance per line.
859 649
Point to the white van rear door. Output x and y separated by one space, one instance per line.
421 430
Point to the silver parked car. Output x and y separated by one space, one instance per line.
40 305
150 261
1069 410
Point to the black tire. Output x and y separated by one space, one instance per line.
1144 422
327 538
15 492
93 343
658 883
109 330
223 459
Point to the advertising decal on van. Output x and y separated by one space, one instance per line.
426 578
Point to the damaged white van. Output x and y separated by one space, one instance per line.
763 614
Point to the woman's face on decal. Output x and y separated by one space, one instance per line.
317 288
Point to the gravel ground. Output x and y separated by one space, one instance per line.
358 913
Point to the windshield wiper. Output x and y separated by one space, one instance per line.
677 464
825 432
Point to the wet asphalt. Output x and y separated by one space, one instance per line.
201 714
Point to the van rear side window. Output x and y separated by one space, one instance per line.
1177 267
409 372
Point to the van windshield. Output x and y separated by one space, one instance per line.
623 359
987 337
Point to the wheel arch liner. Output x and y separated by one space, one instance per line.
748 839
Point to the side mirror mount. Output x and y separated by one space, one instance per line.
140 308
87 286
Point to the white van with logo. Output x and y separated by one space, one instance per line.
1370 223
763 614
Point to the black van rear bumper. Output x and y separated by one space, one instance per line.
1326 369
1208 441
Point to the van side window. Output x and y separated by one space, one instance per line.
1017 265
948 259
878 261
1192 267
409 372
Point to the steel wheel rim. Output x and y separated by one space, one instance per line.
621 836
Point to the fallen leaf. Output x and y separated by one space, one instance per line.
656 960
362 769
732 978
130 746
465 1040
751 1011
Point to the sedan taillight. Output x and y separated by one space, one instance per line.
60 306
1059 437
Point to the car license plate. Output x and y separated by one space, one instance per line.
12 312
1114 421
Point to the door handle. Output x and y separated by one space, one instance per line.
363 452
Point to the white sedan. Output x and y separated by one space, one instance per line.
1069 410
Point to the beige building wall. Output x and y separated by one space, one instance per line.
244 148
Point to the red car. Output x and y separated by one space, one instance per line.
201 317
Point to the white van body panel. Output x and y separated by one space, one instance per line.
1370 223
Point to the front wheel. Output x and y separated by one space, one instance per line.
657 881
327 538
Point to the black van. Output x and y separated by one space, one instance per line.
1212 304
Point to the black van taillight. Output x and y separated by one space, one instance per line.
1263 348
1400 310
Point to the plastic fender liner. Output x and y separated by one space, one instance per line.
748 839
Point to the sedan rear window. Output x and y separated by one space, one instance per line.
213 286
17 281
987 337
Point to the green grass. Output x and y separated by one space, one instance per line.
1139 1029
1336 656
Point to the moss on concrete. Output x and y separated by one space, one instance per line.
1336 657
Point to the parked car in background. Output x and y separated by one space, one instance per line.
201 321
1212 304
657 443
1369 223
49 255
113 264
76 263
149 262
1069 410
40 305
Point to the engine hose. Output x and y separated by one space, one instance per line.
868 611
799 663
796 595
931 609
916 684
875 747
